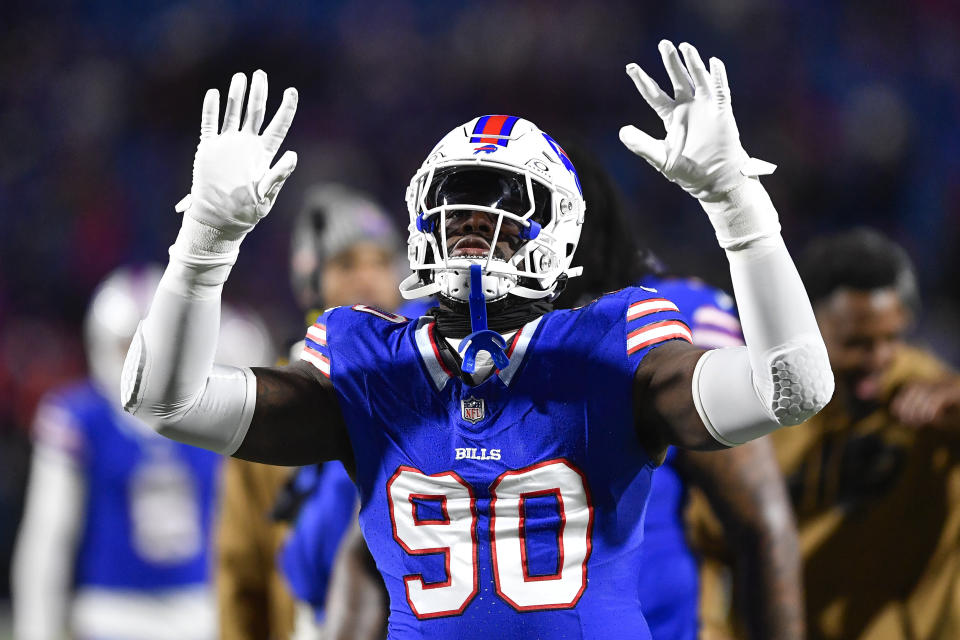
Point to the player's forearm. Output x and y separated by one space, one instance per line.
782 377
169 378
746 490
769 582
356 607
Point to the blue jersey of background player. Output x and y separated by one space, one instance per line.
114 539
148 500
669 584
502 495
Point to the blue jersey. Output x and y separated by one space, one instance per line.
148 501
308 555
669 589
513 508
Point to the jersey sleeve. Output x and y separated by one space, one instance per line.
714 323
315 349
651 320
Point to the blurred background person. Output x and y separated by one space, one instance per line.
875 478
344 251
115 538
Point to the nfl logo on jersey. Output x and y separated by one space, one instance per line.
472 409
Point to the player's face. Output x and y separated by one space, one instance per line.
363 274
863 331
469 234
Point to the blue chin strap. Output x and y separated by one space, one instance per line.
482 339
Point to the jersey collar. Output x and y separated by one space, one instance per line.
439 371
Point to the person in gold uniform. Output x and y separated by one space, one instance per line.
875 477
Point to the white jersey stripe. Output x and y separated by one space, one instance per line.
317 334
646 307
317 360
657 333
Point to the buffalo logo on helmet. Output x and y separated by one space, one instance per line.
487 148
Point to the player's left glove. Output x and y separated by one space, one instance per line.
702 151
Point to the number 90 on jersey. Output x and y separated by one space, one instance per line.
452 529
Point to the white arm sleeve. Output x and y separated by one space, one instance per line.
169 379
782 377
41 577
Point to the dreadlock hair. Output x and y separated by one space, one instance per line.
608 251
862 259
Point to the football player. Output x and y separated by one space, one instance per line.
115 537
503 489
744 484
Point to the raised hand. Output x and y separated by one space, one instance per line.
234 185
701 151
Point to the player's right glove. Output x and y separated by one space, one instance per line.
233 183
702 151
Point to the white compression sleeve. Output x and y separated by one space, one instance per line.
782 377
46 547
169 379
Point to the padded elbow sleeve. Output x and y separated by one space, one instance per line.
738 405
798 383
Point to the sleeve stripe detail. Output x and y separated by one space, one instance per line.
657 332
316 346
646 307
380 313
678 325
318 334
718 318
713 339
317 359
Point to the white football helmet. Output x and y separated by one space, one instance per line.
115 310
507 167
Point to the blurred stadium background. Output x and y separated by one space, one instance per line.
857 102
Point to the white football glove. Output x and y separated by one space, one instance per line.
233 183
702 151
